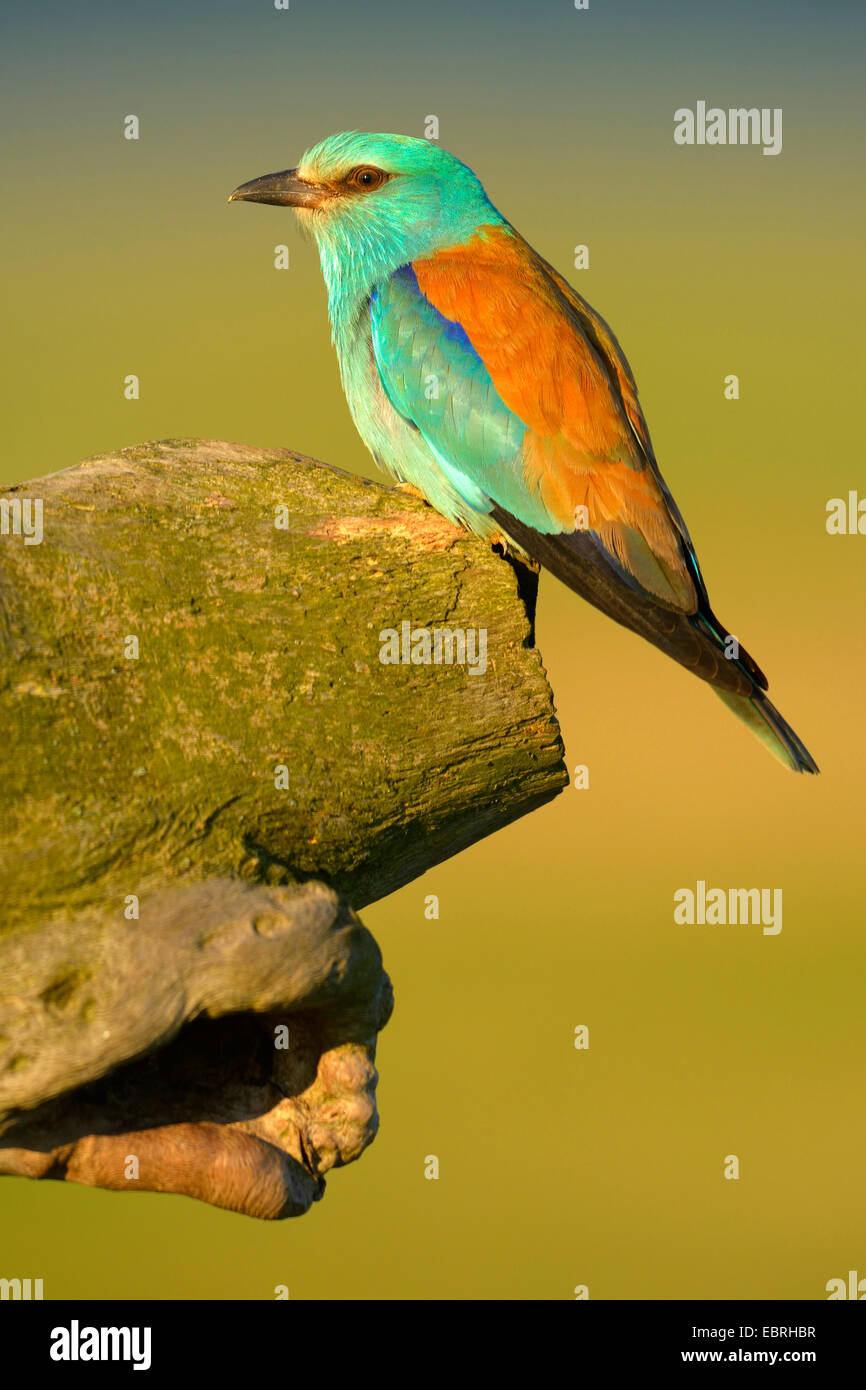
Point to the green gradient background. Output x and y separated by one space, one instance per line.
558 1167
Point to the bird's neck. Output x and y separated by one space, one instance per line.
348 284
358 260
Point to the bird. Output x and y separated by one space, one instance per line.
480 379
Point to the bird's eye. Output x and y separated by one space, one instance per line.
366 178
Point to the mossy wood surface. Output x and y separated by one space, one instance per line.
258 647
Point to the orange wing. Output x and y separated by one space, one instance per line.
558 368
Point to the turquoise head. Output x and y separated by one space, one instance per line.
374 203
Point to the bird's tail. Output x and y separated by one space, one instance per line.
765 720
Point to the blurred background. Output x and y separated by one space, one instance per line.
558 1167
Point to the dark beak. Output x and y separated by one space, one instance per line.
282 190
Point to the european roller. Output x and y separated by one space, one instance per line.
477 375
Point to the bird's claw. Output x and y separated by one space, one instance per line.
410 490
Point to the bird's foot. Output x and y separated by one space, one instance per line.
500 543
410 490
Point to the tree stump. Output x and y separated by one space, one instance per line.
206 761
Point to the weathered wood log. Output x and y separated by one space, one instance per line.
222 1046
195 718
258 647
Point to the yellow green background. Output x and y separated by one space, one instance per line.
558 1167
